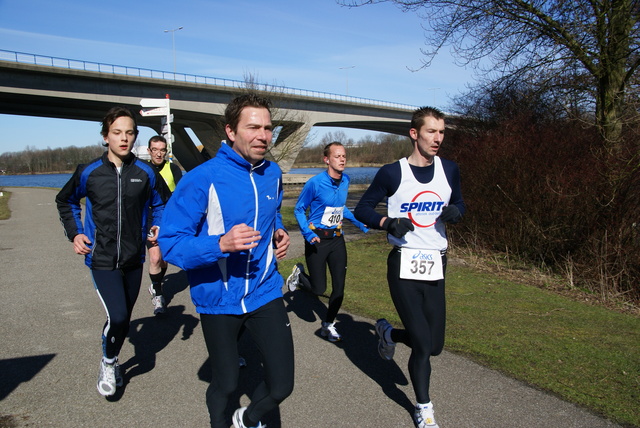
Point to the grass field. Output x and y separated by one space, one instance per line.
586 354
5 213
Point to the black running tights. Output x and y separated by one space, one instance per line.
270 329
422 310
118 290
332 253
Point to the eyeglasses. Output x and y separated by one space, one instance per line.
154 150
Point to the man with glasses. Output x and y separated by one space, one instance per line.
171 174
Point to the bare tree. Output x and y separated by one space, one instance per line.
591 46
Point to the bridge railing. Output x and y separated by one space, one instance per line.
73 64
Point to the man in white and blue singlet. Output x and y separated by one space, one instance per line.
423 192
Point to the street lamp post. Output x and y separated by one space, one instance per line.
434 94
173 41
347 70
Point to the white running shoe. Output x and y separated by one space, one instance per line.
423 416
237 419
107 379
386 348
294 279
158 302
329 331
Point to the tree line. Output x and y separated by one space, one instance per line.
35 161
367 151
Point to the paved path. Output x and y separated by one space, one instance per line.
50 350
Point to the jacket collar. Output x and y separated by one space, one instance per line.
230 154
126 161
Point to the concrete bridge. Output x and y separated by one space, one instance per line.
61 88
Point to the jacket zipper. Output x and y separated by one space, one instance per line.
255 223
119 213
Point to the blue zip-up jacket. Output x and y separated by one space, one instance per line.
117 208
319 192
211 199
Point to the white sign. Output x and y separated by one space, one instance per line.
163 120
154 102
170 138
156 111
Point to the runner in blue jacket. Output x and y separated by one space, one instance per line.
223 227
325 195
209 201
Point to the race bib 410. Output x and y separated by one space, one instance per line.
332 216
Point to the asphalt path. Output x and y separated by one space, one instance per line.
50 350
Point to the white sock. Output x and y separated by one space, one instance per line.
110 361
425 406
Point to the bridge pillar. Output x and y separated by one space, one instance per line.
284 151
210 134
288 144
185 150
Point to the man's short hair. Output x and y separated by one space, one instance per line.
327 148
156 138
113 114
233 110
417 120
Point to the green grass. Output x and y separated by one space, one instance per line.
5 212
288 218
586 354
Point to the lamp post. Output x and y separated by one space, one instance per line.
434 94
347 70
173 40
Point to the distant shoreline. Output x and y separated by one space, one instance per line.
349 165
39 173
304 165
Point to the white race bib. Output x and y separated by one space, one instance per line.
332 217
422 265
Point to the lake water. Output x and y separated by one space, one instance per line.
362 175
357 175
37 180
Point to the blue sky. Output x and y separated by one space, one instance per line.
305 44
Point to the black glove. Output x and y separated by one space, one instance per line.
450 214
398 227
